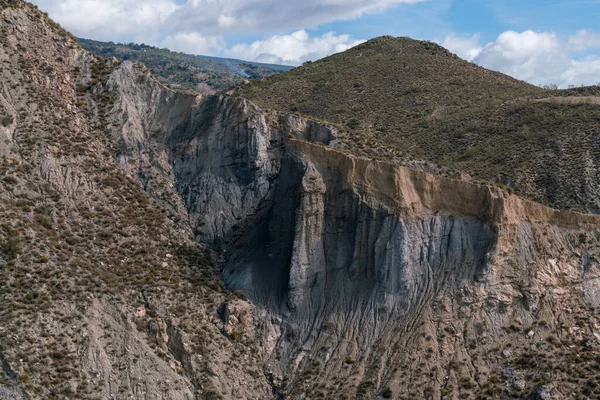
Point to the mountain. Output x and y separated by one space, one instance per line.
232 63
416 102
162 244
185 71
104 293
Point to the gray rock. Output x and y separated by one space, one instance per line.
547 392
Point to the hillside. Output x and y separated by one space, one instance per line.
161 244
185 71
103 291
413 101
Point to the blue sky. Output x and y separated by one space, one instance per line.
430 19
541 41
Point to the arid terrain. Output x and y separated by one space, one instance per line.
164 244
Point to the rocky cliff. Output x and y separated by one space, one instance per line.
127 207
367 276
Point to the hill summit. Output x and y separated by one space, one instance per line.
415 102
384 76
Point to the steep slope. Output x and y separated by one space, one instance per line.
185 71
103 293
413 100
370 278
365 278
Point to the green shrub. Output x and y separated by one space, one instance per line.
6 120
386 393
11 246
10 179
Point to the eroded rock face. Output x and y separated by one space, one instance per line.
350 258
364 274
224 158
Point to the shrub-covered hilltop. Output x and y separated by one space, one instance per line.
185 71
398 98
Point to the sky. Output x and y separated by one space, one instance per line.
539 41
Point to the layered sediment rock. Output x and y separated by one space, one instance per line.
351 263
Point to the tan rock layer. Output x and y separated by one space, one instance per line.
413 194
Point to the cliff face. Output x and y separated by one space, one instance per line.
367 276
384 258
347 277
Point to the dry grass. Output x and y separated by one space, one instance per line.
572 100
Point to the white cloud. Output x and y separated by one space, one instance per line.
265 15
582 72
124 20
530 56
293 49
535 57
585 40
193 43
200 26
226 22
520 47
466 47
108 19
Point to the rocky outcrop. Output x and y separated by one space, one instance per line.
110 354
352 264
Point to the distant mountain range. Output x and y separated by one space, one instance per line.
185 71
232 63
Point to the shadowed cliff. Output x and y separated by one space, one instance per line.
358 266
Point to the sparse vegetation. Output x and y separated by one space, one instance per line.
98 262
386 393
6 120
80 233
397 98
